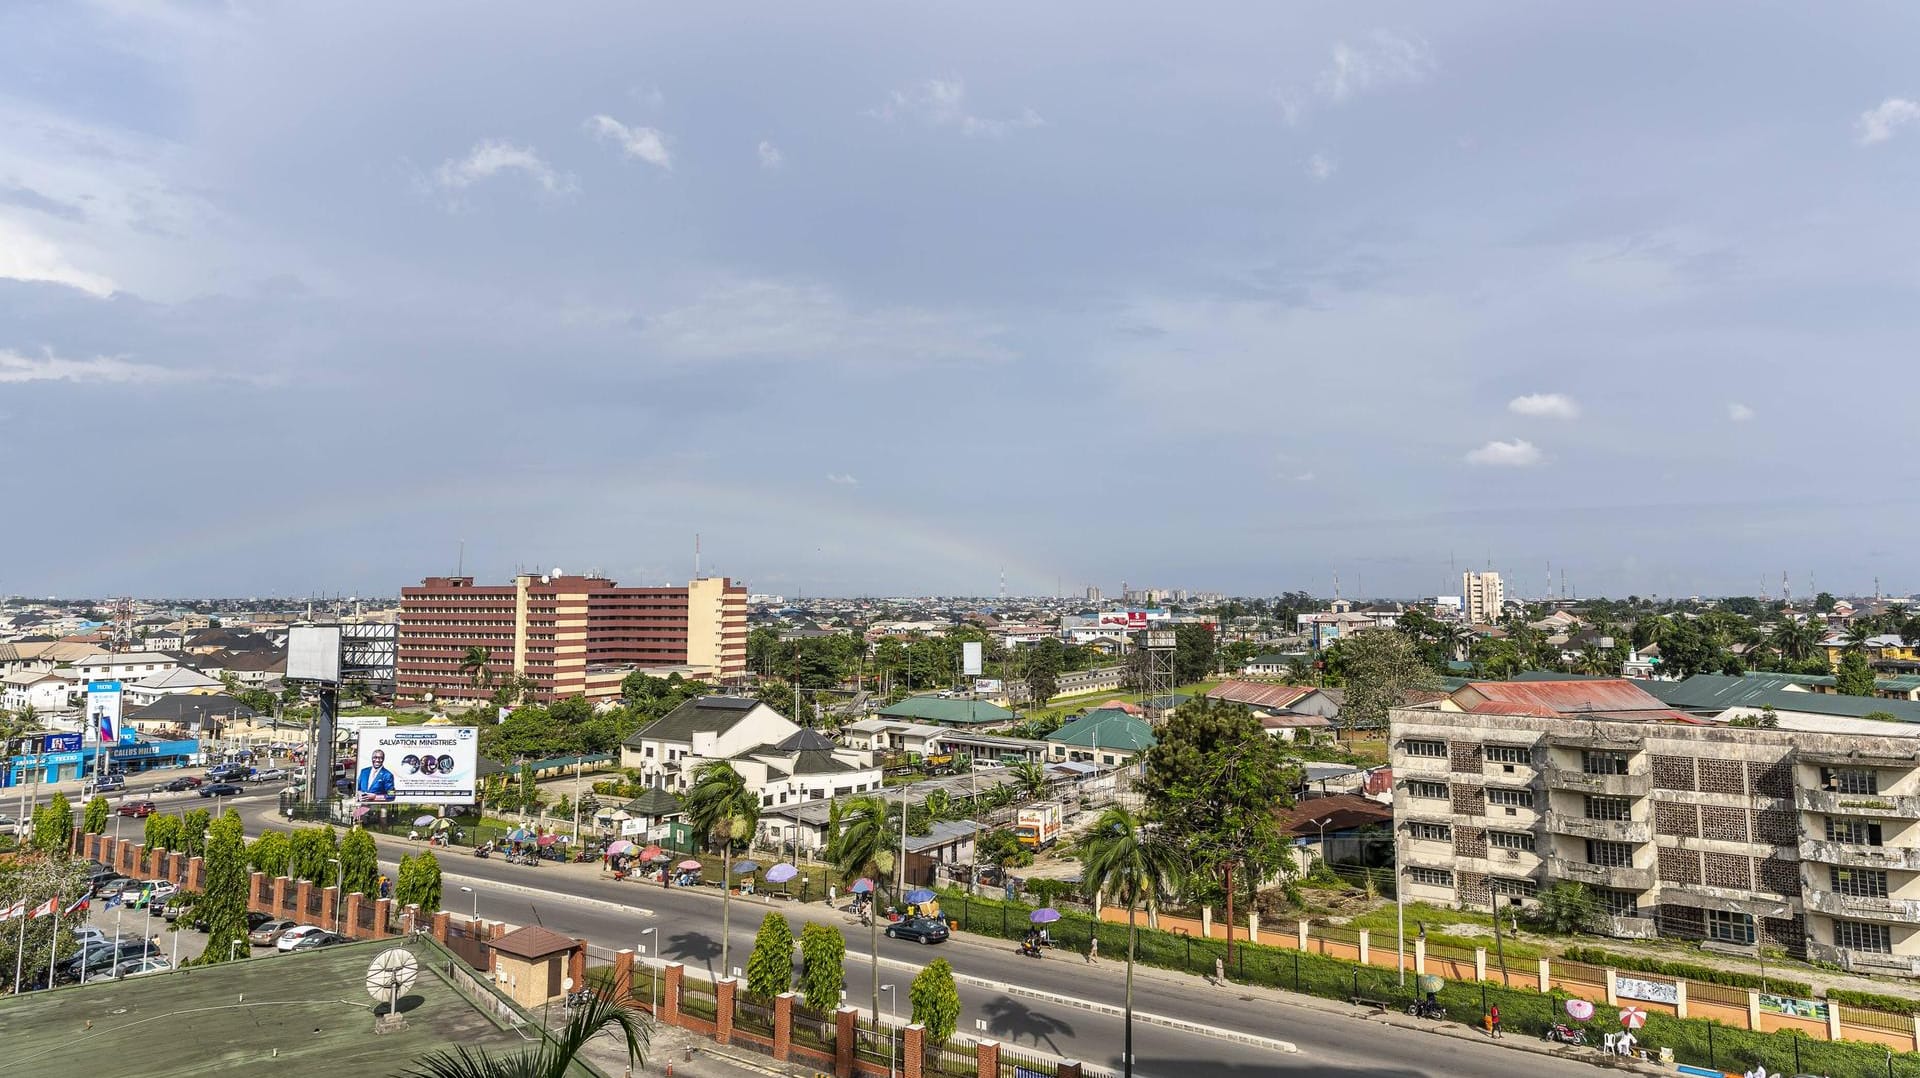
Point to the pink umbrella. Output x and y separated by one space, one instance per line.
690 865
1633 1017
1579 1009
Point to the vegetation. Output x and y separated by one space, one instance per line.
163 832
223 905
1380 669
269 853
555 1055
864 847
359 868
1874 1001
309 851
96 819
722 807
823 973
1121 858
193 832
1853 677
418 882
53 826
1595 956
936 1001
770 966
1566 909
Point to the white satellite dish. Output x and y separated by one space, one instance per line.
391 973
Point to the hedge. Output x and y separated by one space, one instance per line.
1730 978
1874 1001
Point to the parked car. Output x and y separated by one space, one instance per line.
100 959
139 810
220 789
294 935
140 893
269 774
6 820
109 784
184 782
140 967
311 940
918 929
269 933
110 884
87 935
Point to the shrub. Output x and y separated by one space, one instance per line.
823 955
1594 956
1874 1001
770 966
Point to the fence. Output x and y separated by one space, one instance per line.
1015 1065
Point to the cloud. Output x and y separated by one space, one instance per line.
25 256
770 155
490 157
1518 453
1878 124
16 368
1738 412
1384 60
943 103
1545 406
774 320
645 143
842 479
1321 167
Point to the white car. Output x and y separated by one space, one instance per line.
140 967
294 935
88 934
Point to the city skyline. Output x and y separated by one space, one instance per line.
890 301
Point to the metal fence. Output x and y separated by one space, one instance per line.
951 1060
1016 1065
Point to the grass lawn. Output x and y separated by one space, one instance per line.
1086 701
1380 922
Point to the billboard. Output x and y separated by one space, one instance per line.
418 765
970 659
359 722
313 653
61 743
103 711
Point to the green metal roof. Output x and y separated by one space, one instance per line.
702 714
948 711
1107 728
1718 692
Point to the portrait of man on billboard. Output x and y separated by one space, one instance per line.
376 782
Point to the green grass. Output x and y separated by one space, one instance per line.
1381 923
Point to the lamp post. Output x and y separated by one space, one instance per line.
476 904
893 1030
339 886
653 975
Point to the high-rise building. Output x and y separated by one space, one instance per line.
567 635
1484 596
1093 594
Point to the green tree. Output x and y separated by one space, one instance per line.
193 832
1567 908
864 847
1001 847
556 1054
223 903
424 888
936 1001
1853 677
270 852
823 970
770 966
722 807
1193 647
1121 858
1823 603
476 664
359 868
164 832
1031 777
31 881
53 826
97 812
1381 669
1044 662
309 851
1795 639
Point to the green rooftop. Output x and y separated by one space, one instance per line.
948 711
1107 728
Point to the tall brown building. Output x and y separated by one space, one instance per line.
568 635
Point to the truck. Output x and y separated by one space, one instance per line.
1037 826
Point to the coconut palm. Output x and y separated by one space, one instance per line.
1031 777
1857 636
1119 856
864 847
721 807
940 806
475 664
555 1056
1795 640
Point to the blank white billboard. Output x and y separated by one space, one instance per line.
970 659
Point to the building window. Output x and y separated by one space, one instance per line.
1510 840
1730 927
1852 781
1603 763
1618 903
1512 888
1859 882
1856 936
1853 832
1432 877
1609 854
1521 798
1436 750
1507 754
1609 808
1435 790
1435 832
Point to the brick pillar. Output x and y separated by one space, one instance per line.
382 910
1753 1009
257 892
79 841
440 922
1833 1017
196 875
329 905
1068 1068
913 1050
1680 998
986 1056
302 894
622 974
123 856
843 1037
723 992
783 1027
577 964
282 887
670 994
140 858
351 928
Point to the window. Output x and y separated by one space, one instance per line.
1859 882
1510 840
1862 937
1522 798
1853 832
1507 754
1729 927
1436 832
1609 854
1512 888
1436 790
1433 749
1595 762
1618 903
1609 808
1854 781
1432 877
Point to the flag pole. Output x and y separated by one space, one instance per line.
20 954
53 944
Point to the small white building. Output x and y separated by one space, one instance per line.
180 681
892 735
41 690
127 666
781 762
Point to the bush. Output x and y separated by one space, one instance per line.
823 955
1730 978
770 966
1873 1001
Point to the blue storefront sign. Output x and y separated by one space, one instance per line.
53 743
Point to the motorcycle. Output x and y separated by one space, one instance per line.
1427 1009
482 852
1561 1033
1031 949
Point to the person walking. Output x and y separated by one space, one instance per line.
1093 949
1493 1020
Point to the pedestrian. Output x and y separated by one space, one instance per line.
1093 949
1493 1020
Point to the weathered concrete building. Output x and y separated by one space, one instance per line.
1801 840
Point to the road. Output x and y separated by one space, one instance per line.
579 902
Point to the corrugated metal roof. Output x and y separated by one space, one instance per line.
1567 697
1107 728
948 711
1260 694
1718 692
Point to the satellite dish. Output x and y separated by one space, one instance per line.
392 973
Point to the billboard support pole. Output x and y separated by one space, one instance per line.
320 764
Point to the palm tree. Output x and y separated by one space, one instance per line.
1031 777
1795 640
721 806
940 806
1459 640
1857 636
865 848
1121 856
556 1055
475 665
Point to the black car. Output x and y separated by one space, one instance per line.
221 789
918 929
98 961
184 782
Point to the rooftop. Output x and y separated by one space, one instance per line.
948 711
1107 728
700 715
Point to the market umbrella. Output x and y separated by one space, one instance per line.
651 853
519 834
424 821
919 896
1633 1017
690 865
861 886
781 873
661 856
359 812
546 840
1430 983
442 823
745 868
1045 915
620 846
1579 1009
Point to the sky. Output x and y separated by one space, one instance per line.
884 298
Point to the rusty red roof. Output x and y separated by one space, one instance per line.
1343 812
1608 698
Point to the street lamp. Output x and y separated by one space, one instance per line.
476 904
232 946
893 1030
653 975
339 886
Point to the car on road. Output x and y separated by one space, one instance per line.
139 810
184 782
292 936
221 789
269 774
269 933
311 940
111 784
110 884
140 967
918 929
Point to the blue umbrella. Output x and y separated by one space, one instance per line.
922 895
743 868
519 834
861 886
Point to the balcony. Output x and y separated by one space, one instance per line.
1850 855
1901 910
1634 785
1853 961
1561 823
1622 878
1883 806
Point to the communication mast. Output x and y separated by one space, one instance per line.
1159 686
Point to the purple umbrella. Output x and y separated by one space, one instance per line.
1045 915
781 873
